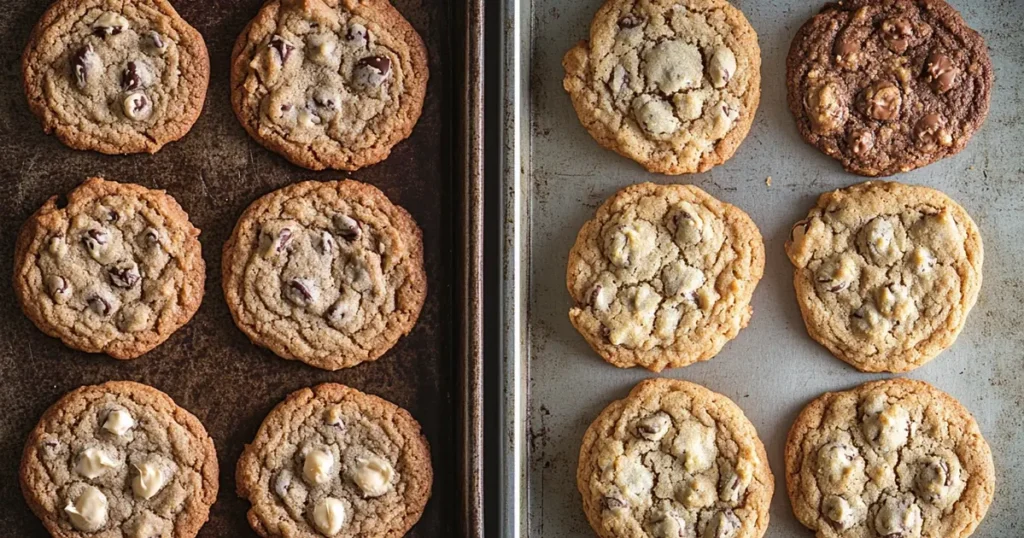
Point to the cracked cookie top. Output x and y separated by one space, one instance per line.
115 271
894 458
329 83
333 461
886 273
115 77
119 460
674 459
671 84
329 273
663 275
888 86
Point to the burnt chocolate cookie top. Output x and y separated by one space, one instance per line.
888 86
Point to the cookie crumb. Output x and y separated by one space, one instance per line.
768 181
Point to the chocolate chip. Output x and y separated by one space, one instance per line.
112 216
58 287
845 50
630 21
80 65
930 132
326 243
104 31
130 77
614 502
897 34
283 238
861 141
154 41
939 72
152 236
357 35
594 294
882 101
124 275
380 63
137 106
284 49
300 292
730 490
348 228
99 305
94 238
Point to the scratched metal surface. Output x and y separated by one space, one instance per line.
209 367
773 368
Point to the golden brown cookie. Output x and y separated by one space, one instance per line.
886 273
674 459
328 273
119 460
662 276
333 461
889 458
115 77
672 85
117 270
329 83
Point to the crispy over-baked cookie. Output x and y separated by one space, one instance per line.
329 273
671 84
333 461
329 83
674 459
119 460
886 86
886 273
663 275
115 77
889 458
115 271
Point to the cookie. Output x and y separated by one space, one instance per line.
116 270
119 460
115 77
333 461
674 459
887 86
672 86
888 458
328 273
886 273
329 83
663 275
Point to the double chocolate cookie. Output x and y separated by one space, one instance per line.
115 77
332 461
119 460
672 85
116 270
889 458
886 273
329 83
663 275
674 459
329 273
888 86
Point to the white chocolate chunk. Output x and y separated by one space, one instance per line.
695 445
329 516
148 481
94 462
316 468
722 67
119 422
888 429
373 475
88 512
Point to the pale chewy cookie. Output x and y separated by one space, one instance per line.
886 86
119 460
333 461
886 273
662 276
895 458
674 459
329 83
328 273
116 270
671 84
114 76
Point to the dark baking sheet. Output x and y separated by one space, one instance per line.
209 367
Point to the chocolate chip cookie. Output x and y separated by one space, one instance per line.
889 458
329 83
115 77
672 85
888 86
886 273
119 460
663 275
333 461
116 270
329 273
674 459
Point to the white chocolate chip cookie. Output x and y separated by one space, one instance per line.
333 462
663 276
674 459
894 458
886 273
119 460
672 85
